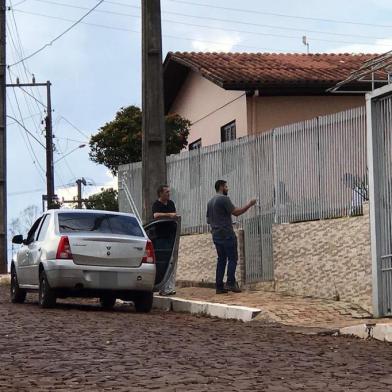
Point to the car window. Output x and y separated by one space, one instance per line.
32 231
99 223
41 234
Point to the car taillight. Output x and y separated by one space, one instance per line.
64 249
149 255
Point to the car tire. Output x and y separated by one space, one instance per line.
18 295
46 295
143 302
107 302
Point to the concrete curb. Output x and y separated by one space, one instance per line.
5 280
222 311
380 331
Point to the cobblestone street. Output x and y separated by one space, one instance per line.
78 347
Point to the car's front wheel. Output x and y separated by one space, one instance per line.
143 302
18 295
107 302
46 295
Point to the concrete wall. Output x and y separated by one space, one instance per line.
201 101
325 259
197 260
265 113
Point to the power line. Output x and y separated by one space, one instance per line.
24 127
71 20
33 97
74 127
138 32
25 192
302 30
272 14
31 152
59 36
217 109
25 118
20 3
26 71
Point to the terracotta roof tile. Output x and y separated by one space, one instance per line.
248 69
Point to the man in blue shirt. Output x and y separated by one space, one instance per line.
219 212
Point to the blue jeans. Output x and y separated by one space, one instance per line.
227 254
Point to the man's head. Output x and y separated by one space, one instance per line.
221 187
163 192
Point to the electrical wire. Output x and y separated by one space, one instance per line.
302 30
74 127
217 109
139 32
257 12
31 152
20 52
24 118
59 36
29 132
25 192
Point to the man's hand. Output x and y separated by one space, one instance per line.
252 202
172 214
240 211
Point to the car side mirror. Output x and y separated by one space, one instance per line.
18 239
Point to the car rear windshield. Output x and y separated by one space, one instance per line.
99 223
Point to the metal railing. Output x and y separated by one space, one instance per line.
310 170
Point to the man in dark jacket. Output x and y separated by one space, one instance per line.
219 212
163 207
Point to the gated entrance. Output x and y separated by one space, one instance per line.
379 111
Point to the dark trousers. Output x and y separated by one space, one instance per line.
227 255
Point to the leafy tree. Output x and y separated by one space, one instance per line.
120 141
106 200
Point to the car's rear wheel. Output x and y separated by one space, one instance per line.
107 302
18 295
143 302
46 295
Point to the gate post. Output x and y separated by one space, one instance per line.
374 199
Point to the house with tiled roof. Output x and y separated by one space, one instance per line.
230 95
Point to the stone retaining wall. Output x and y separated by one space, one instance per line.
325 259
197 260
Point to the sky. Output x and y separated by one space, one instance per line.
95 68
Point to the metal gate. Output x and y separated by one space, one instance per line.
258 248
379 109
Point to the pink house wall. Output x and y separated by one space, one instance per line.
265 113
201 101
209 107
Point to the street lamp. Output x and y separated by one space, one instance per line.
81 146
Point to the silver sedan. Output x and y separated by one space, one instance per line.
90 253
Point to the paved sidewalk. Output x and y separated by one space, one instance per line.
288 310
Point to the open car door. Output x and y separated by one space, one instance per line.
165 236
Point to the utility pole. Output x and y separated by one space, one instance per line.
79 183
49 149
50 195
3 145
154 135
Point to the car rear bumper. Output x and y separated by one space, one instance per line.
64 274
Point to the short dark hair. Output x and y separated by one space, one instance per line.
220 183
161 188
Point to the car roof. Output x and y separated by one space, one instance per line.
73 211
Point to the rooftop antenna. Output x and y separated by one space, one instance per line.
306 43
